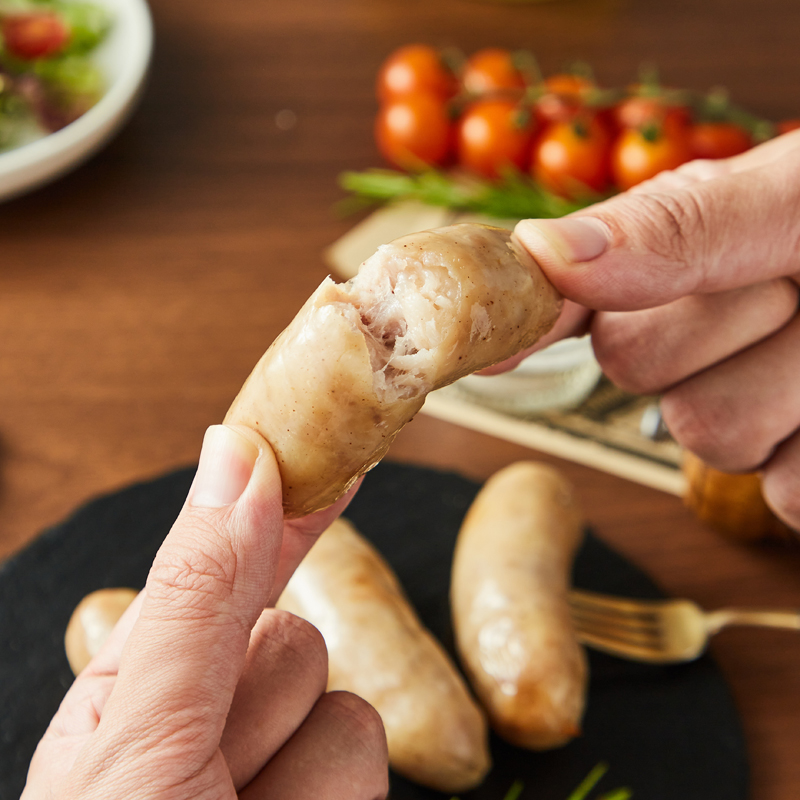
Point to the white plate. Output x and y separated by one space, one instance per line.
123 57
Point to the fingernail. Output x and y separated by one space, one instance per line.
576 239
226 464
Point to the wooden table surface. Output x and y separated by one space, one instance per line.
137 292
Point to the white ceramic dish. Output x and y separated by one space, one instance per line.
559 377
124 57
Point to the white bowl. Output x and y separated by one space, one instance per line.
560 377
123 57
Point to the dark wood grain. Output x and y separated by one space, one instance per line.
137 292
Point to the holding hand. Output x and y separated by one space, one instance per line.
202 693
689 286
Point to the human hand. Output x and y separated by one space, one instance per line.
200 693
689 287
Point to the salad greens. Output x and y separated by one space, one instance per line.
88 24
47 77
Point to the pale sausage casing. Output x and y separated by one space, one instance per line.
379 650
509 599
356 363
91 624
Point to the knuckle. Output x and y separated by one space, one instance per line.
780 485
674 224
663 225
702 428
297 633
617 341
284 637
629 379
195 575
783 498
784 298
361 723
703 169
716 428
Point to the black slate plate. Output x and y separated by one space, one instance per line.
669 733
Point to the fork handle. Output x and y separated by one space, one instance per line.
725 617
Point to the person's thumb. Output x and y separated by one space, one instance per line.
643 249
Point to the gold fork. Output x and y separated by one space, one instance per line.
661 631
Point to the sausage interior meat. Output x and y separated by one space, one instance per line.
356 363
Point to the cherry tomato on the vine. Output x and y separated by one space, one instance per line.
638 112
414 131
492 71
569 83
571 158
641 153
718 140
563 97
492 136
415 69
35 35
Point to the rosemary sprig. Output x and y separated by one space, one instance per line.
513 197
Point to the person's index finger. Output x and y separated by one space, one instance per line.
772 150
300 534
208 585
645 249
574 320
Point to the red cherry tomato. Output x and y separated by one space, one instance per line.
492 71
37 35
788 125
557 108
493 135
718 140
415 69
639 112
639 154
571 158
568 83
414 131
563 98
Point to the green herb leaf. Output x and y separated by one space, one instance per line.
88 24
589 782
71 75
515 196
618 794
515 791
581 792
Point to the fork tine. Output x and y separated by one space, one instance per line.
620 626
658 631
645 636
617 625
617 618
614 606
602 616
634 651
